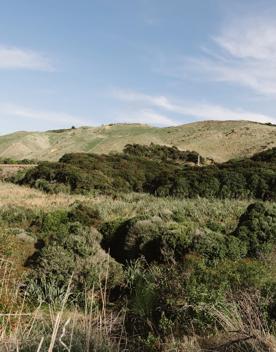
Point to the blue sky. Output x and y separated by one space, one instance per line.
161 62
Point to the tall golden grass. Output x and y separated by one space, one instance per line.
56 328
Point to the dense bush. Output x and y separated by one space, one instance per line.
163 152
69 248
257 228
241 179
153 169
267 156
181 297
84 214
151 238
160 240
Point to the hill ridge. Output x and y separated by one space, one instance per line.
219 140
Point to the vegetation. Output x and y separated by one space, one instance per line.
178 272
211 139
161 152
11 161
139 251
157 170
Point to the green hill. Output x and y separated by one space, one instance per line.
219 140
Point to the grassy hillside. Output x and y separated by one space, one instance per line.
220 140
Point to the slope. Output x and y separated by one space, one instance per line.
219 140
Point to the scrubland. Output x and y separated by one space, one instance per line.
114 270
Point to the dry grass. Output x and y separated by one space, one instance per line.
15 195
244 326
8 170
51 328
197 211
220 140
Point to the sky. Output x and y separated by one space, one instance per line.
77 63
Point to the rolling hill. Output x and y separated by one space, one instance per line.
219 140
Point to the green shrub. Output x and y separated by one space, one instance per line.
152 238
55 222
185 294
75 253
214 245
257 227
16 216
162 152
157 170
84 214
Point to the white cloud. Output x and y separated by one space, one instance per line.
192 109
244 53
133 96
145 116
253 38
16 58
16 111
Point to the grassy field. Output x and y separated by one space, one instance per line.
125 205
219 140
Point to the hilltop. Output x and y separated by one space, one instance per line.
219 140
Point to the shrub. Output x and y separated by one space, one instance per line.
75 253
214 245
162 152
157 170
84 214
152 238
18 216
257 227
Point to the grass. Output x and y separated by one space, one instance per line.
127 205
52 328
220 140
13 195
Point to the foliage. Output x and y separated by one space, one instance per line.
173 268
157 239
162 152
15 162
257 228
157 170
66 248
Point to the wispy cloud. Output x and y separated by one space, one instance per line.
251 38
191 109
17 58
17 111
243 53
145 116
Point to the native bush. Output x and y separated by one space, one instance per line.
183 295
157 172
84 214
267 156
257 227
69 247
214 245
17 216
151 238
162 152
